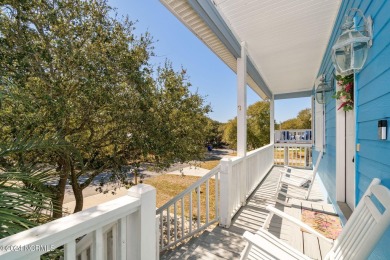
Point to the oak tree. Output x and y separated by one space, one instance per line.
75 70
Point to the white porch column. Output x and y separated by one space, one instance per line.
225 206
241 121
241 103
272 120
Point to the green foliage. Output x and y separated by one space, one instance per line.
304 117
214 132
175 123
25 200
258 124
258 120
74 71
293 123
302 121
345 94
230 133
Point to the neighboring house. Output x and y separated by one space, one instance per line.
279 48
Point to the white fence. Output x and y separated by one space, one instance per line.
233 181
239 177
118 229
190 212
126 228
296 155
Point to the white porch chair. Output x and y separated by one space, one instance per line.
356 241
296 180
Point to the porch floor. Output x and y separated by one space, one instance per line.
227 243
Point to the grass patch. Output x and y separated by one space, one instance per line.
292 154
209 165
168 186
296 157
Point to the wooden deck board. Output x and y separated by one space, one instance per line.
295 232
228 243
317 207
311 246
328 208
324 247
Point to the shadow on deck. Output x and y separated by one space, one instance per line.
227 243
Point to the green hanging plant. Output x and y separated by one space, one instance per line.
345 94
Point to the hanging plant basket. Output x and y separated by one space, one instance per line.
345 94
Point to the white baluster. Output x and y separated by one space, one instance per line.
182 217
98 252
207 201
122 240
70 250
224 209
190 210
198 206
175 220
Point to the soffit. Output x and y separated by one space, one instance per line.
285 39
195 23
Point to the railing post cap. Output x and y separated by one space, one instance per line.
138 190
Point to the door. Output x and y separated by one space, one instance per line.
350 159
345 158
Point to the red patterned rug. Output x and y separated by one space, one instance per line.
328 225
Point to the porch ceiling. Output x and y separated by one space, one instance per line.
285 39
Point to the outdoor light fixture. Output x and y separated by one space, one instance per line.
322 89
350 50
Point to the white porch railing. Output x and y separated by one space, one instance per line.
239 177
125 227
235 179
296 155
118 229
189 212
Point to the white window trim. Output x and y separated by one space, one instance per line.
319 126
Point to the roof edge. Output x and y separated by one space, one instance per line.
209 14
299 94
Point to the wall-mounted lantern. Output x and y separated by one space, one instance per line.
349 53
322 90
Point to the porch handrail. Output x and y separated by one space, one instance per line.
292 144
125 212
294 130
257 168
166 238
293 154
239 177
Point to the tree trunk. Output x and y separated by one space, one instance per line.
77 191
58 200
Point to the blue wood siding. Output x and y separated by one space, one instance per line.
372 104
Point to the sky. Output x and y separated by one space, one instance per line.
209 76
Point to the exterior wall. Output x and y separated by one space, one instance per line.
372 104
327 168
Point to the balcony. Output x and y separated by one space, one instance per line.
129 227
228 243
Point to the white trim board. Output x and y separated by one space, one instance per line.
319 126
341 160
